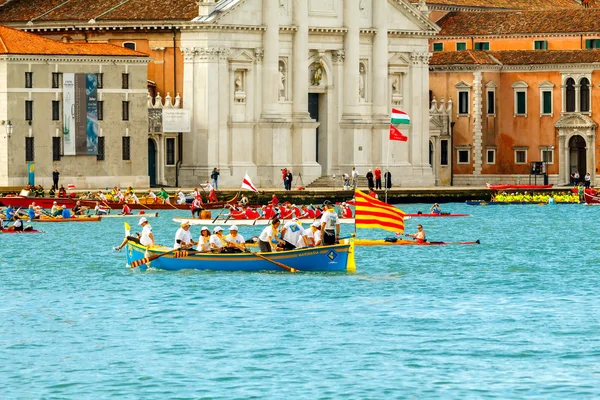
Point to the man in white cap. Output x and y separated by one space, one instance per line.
66 214
183 237
330 226
147 238
291 233
55 210
315 228
217 241
235 241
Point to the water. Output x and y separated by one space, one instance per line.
517 316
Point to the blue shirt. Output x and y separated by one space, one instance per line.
31 213
66 213
10 213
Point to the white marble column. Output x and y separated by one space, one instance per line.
352 60
380 59
190 140
300 62
271 59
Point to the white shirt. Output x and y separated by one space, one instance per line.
203 243
293 231
317 236
145 240
182 235
239 239
102 196
307 234
214 239
152 195
208 187
180 198
266 233
330 219
354 174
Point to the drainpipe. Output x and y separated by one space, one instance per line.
179 135
451 152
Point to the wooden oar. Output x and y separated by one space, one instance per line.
217 217
146 260
280 265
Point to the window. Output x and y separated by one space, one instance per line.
125 109
521 104
55 110
100 110
100 155
592 43
29 152
482 45
100 77
29 80
520 156
170 144
584 95
570 94
438 47
491 156
463 102
540 45
491 102
126 148
546 102
124 81
548 156
463 156
460 46
28 110
129 45
56 141
444 152
55 80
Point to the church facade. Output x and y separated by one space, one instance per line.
306 85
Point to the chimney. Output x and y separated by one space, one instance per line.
206 7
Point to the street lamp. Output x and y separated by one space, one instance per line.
9 129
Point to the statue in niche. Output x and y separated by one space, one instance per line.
281 83
238 84
361 82
395 85
317 74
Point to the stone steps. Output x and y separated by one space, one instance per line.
330 182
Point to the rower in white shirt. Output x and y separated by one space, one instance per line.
235 241
217 241
180 197
183 237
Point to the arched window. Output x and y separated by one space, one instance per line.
570 94
584 95
129 45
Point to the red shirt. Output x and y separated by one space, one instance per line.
347 212
274 201
268 212
377 173
373 195
318 213
126 209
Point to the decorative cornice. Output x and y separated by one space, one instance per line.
516 36
420 58
507 68
75 59
338 56
259 54
204 53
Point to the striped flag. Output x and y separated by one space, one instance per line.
372 213
399 117
247 184
395 134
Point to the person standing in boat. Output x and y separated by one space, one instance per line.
147 238
180 197
235 241
588 180
183 237
291 232
204 240
268 240
330 226
420 236
217 241
164 196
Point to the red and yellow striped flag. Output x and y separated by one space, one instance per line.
372 213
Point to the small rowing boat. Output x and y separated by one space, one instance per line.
19 232
517 187
149 215
148 204
513 203
437 215
79 218
404 242
336 258
246 222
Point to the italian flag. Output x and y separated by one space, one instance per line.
399 117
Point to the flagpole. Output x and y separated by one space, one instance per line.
387 168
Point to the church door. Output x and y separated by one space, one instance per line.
152 161
577 156
313 110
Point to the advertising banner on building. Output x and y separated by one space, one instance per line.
80 114
176 120
91 128
69 114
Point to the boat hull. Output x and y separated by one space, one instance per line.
146 204
246 222
315 259
518 187
19 232
438 215
513 203
403 242
44 202
591 198
138 215
89 218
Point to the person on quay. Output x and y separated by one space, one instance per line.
56 210
588 180
435 209
377 174
66 213
180 197
183 237
330 226
420 235
388 179
126 210
291 233
268 240
204 240
370 179
345 181
217 241
197 206
55 176
354 178
214 176
235 241
147 238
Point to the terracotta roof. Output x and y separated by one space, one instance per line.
100 10
13 41
520 22
515 57
506 4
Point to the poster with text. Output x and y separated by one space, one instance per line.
69 114
91 127
80 114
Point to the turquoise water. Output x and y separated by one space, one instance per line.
517 316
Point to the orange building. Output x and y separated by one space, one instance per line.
524 87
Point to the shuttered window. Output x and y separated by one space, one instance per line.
100 155
126 148
56 144
29 150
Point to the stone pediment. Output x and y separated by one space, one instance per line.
399 59
575 121
242 56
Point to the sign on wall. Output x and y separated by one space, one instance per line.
80 124
175 120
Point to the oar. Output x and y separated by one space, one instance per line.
146 260
217 217
280 265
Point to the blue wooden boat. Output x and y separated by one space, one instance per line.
337 258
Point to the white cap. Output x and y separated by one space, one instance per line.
316 224
204 228
218 229
55 202
233 228
142 220
64 206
